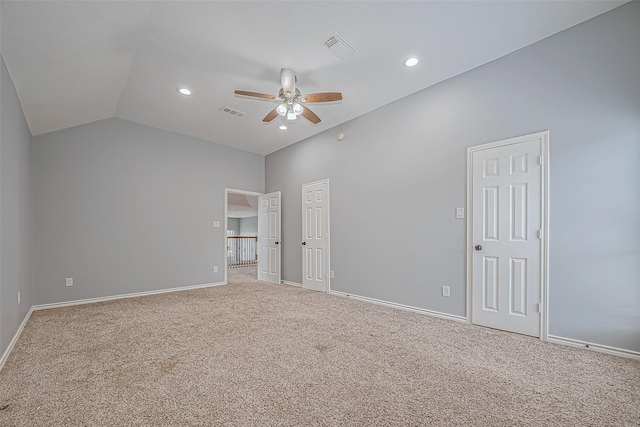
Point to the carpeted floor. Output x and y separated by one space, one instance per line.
259 354
242 275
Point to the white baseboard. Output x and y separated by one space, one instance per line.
13 342
595 347
286 282
551 338
114 297
402 307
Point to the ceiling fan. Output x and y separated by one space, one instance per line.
291 99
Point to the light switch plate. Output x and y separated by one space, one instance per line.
446 291
460 213
216 224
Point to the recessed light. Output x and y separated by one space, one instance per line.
412 61
283 127
184 91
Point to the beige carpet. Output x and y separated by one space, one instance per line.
242 275
252 354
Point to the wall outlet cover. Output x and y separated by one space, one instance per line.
69 281
215 269
446 291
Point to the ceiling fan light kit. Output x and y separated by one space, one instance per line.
291 99
291 111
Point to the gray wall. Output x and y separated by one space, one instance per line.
584 86
123 208
249 226
234 224
15 211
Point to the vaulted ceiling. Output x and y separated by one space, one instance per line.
74 62
241 205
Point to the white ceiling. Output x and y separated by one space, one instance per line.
75 62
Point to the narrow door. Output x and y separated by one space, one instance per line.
269 237
315 235
506 230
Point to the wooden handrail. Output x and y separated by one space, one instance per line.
243 237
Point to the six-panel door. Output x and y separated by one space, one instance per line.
506 241
269 245
315 235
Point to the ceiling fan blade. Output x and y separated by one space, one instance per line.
288 80
272 115
323 97
254 94
310 115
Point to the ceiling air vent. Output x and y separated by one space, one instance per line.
339 47
232 112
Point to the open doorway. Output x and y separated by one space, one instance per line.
241 236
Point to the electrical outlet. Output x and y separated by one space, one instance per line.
215 269
446 292
332 275
69 281
216 224
18 297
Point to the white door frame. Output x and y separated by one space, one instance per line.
226 212
327 273
544 216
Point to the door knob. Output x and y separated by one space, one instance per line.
478 248
304 243
277 243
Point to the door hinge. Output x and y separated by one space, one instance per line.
540 160
540 234
539 307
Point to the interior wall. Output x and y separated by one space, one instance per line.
234 224
15 211
249 226
124 208
582 85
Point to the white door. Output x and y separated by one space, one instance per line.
315 235
269 237
506 236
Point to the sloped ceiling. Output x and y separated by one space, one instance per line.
75 62
241 206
